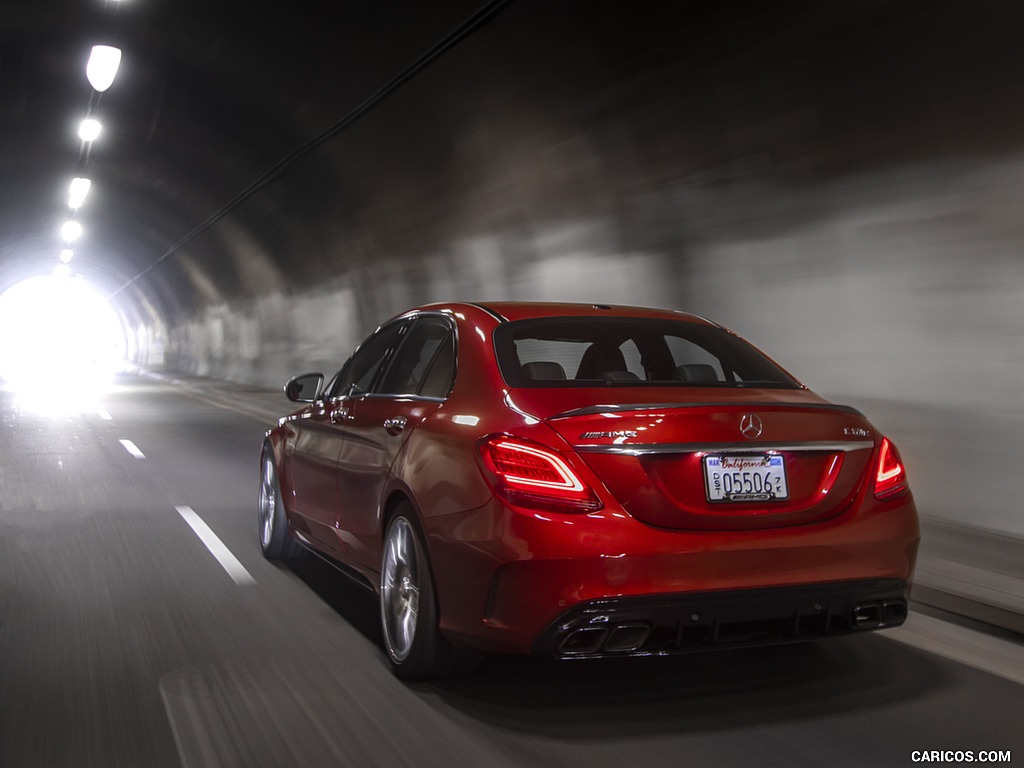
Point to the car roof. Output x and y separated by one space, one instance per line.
523 310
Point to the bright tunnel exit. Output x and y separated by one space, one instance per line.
60 341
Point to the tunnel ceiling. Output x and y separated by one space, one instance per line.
208 98
215 99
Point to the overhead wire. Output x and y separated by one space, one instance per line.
470 25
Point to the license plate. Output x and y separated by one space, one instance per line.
758 477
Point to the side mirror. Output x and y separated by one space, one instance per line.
304 388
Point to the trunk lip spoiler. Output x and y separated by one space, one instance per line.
593 410
648 449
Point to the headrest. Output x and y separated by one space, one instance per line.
600 359
695 372
544 371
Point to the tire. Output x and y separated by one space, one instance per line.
409 609
273 525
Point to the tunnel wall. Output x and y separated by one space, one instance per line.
840 186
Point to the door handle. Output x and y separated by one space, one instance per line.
395 424
339 415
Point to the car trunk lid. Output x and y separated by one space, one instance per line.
724 465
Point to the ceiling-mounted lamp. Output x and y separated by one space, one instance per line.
70 231
89 129
102 67
66 255
79 189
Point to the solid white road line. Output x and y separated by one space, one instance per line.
213 543
975 649
132 448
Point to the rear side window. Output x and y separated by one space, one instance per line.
422 365
441 375
608 351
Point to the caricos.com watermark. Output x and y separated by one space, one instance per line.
960 756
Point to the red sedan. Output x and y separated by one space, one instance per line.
583 481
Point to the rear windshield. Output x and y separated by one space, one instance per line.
611 351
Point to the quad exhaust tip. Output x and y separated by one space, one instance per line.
878 613
617 638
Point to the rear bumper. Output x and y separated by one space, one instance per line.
666 624
520 583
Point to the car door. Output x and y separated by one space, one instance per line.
416 382
319 436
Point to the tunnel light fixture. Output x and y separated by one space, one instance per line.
79 189
89 129
102 67
66 255
71 230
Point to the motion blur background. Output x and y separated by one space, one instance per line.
840 183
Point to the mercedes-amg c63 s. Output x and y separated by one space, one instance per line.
585 481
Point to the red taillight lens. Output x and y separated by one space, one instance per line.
529 475
891 475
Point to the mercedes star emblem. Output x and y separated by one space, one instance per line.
751 426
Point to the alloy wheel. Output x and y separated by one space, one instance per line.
400 589
268 503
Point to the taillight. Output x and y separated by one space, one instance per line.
890 475
526 474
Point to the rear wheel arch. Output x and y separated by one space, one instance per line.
399 499
394 500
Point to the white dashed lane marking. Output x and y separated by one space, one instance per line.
133 449
105 415
217 548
